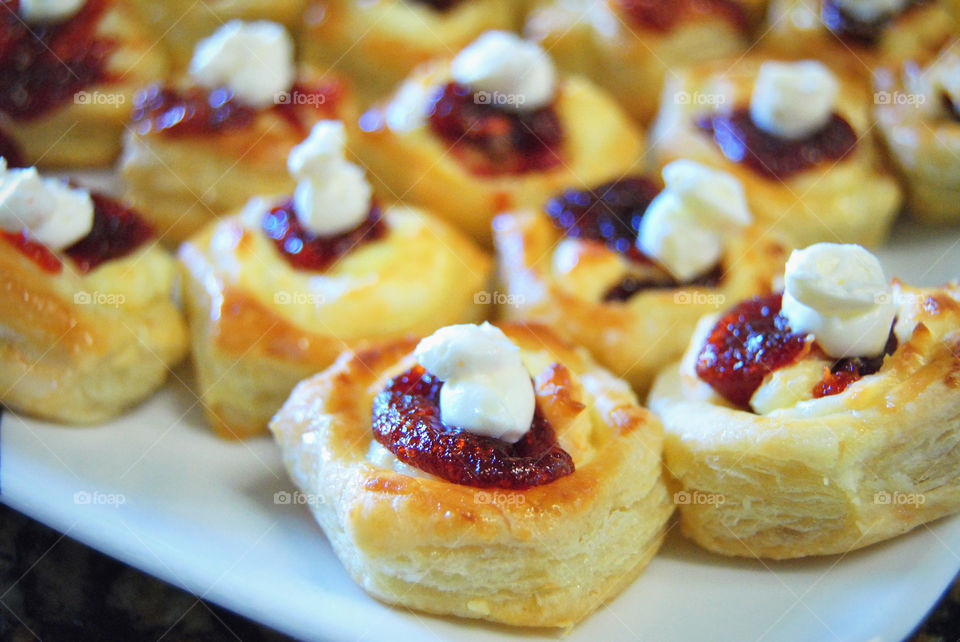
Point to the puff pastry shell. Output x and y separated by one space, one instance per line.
825 475
251 313
87 131
546 556
408 161
853 200
81 348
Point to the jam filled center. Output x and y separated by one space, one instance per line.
491 140
754 339
196 111
44 66
406 421
657 15
117 231
740 140
305 250
611 214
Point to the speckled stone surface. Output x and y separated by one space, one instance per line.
52 589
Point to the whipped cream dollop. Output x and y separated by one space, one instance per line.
47 209
487 390
685 226
516 74
254 59
332 194
872 10
840 295
793 99
36 11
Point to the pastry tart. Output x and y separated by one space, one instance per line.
378 43
194 152
819 178
628 47
67 80
918 118
796 452
88 325
180 24
468 151
538 532
859 34
574 264
266 293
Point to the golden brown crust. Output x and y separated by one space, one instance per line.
827 475
796 31
595 39
81 349
416 166
376 44
853 200
251 313
178 25
546 556
922 140
87 131
635 339
182 183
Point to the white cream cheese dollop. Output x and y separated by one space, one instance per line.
38 11
487 390
685 226
332 194
872 10
840 295
50 211
516 74
793 99
253 59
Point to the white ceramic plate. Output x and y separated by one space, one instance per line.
158 491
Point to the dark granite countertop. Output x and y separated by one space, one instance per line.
53 588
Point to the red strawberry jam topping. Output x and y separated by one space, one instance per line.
658 15
492 141
611 213
197 111
749 341
406 421
846 371
117 231
44 66
305 250
843 24
742 141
